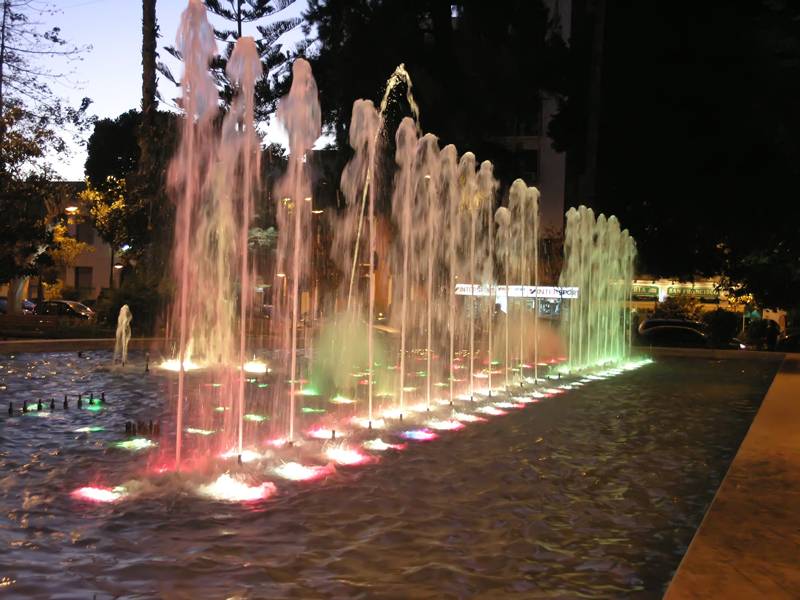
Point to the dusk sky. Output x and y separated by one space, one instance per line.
110 73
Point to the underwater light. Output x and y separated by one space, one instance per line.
99 494
342 400
507 405
294 471
310 410
136 444
199 431
323 433
441 384
553 391
520 400
442 425
246 455
228 488
89 429
221 409
367 424
255 367
255 418
346 456
491 410
392 413
309 391
173 364
379 445
419 435
467 418
409 389
92 407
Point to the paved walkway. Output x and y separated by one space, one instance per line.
748 545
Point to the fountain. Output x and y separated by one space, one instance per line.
123 335
443 245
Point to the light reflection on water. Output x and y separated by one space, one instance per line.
596 493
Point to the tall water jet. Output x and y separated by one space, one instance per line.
403 201
470 204
448 173
123 335
487 188
299 113
188 173
502 218
214 178
598 258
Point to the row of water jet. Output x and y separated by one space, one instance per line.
599 259
213 179
442 215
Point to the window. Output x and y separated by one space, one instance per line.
84 232
83 278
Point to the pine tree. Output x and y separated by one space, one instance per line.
271 19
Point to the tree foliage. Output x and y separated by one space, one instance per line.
699 130
478 68
267 21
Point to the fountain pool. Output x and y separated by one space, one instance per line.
595 491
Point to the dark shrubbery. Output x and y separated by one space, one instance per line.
723 325
144 299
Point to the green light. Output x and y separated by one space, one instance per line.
495 363
263 385
308 409
252 380
442 384
93 407
309 391
421 374
89 429
216 385
255 418
220 409
199 431
135 444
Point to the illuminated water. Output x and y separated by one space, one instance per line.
594 492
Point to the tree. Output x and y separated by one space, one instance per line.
24 80
478 69
697 151
114 148
271 20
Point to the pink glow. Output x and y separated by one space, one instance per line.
468 418
379 445
442 425
347 456
323 433
419 435
296 472
97 494
228 488
491 410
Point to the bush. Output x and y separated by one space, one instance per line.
70 293
723 325
679 307
144 300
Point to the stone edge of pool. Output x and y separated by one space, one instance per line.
747 544
73 345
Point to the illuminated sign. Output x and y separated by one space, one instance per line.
517 291
705 293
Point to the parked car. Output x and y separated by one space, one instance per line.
681 335
27 306
674 336
652 323
65 308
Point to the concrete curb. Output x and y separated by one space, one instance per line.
747 544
